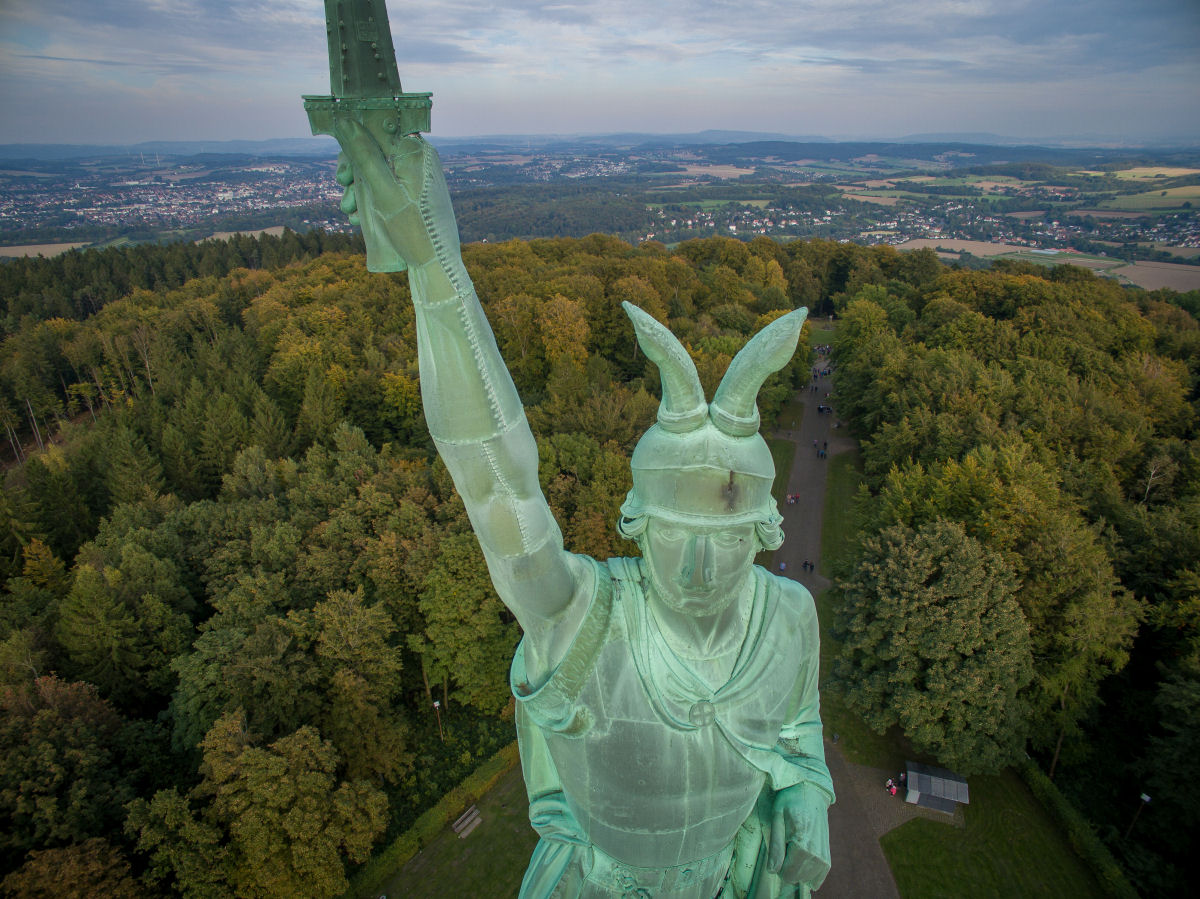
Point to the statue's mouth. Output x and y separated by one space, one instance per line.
689 589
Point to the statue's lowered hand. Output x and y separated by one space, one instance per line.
397 195
799 846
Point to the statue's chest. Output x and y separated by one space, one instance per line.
681 787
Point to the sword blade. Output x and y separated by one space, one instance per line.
362 58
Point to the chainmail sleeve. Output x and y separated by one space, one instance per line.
479 427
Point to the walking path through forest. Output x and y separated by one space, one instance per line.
863 811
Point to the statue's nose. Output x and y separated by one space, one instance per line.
698 562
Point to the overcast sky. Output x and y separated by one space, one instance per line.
122 71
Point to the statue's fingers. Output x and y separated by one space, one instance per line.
408 160
362 150
345 171
349 204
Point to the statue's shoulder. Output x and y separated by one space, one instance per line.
623 569
788 596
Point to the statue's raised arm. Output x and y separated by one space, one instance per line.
471 404
666 706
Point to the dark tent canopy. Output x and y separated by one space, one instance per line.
935 788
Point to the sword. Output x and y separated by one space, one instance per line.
364 84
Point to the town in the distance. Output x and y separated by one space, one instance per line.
1131 214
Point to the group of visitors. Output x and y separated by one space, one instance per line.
819 372
896 784
793 498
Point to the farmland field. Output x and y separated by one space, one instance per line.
1171 198
1186 252
1142 173
718 171
1153 275
1104 213
274 231
974 247
39 249
1150 275
1049 257
871 198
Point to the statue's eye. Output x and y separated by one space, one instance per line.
727 539
672 534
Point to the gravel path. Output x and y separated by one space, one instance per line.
864 811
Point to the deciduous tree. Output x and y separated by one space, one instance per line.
933 640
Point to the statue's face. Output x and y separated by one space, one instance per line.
697 570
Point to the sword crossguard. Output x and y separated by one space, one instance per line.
364 83
384 117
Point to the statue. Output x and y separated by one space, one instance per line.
667 706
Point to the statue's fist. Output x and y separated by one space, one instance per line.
396 192
799 846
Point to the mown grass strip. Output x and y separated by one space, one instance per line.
859 743
1010 846
419 861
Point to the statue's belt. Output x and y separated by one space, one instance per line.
643 883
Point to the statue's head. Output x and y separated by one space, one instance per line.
701 504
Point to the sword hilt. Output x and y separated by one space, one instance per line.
364 81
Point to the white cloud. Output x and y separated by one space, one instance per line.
561 66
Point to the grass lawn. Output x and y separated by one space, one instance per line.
784 453
488 863
841 486
1009 847
859 743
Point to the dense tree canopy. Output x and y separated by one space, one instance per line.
226 536
1052 415
229 555
933 640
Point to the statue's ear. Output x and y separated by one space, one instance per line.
682 408
734 409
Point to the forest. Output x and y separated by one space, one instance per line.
236 577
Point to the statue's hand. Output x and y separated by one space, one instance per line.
799 847
398 195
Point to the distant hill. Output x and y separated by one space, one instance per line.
985 138
1070 142
717 145
325 146
288 146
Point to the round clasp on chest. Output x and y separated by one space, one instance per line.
702 713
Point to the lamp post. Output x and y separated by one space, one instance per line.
437 707
1145 802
